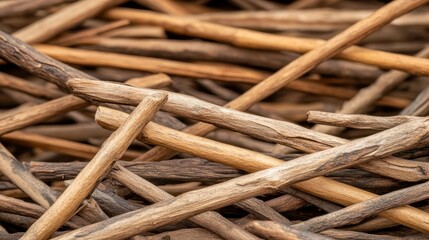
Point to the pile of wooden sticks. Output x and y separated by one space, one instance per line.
204 119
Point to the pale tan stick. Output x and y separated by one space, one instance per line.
36 90
210 220
72 38
165 6
159 80
276 231
137 32
197 50
262 182
357 120
64 19
96 58
267 129
41 112
315 15
244 159
259 40
288 73
366 97
87 180
19 7
58 145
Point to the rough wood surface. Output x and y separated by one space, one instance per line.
266 129
65 18
258 183
86 181
241 159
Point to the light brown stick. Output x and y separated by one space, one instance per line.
72 38
165 6
38 113
66 18
210 220
366 97
244 159
276 231
355 213
358 121
87 180
96 58
262 182
16 8
258 40
36 90
62 146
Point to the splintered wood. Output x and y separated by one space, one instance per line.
233 119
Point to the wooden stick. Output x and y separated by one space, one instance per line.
341 234
357 212
139 31
72 38
15 8
192 50
315 15
165 6
36 90
242 159
377 223
266 129
192 169
97 58
357 120
62 146
210 220
64 19
366 97
41 112
273 230
87 180
258 40
261 210
262 182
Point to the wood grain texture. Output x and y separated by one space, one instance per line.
247 160
87 180
276 231
258 40
210 220
267 129
265 181
358 121
63 19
